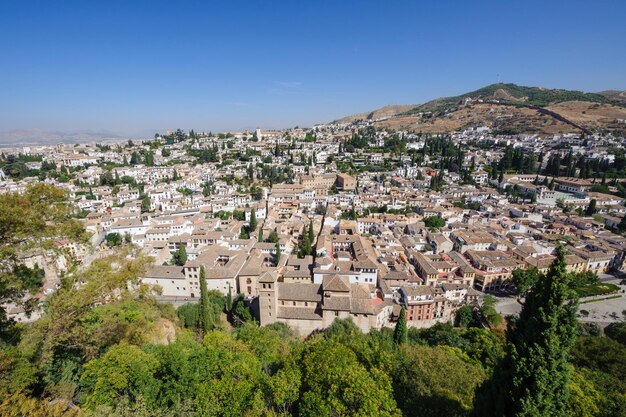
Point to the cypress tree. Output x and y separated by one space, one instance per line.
532 379
311 233
180 256
277 254
206 321
401 333
253 222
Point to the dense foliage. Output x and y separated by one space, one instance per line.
534 376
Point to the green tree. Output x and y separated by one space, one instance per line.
125 370
617 332
145 203
524 279
189 315
435 381
241 313
591 208
113 239
149 158
488 311
311 234
400 333
206 319
239 215
277 254
464 316
273 237
234 379
253 222
533 378
334 383
433 222
180 256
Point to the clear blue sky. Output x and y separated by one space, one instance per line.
133 67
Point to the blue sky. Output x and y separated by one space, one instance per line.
135 67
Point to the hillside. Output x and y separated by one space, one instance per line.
614 95
510 108
383 112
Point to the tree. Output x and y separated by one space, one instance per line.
334 383
189 315
125 370
533 378
206 320
273 237
253 222
145 203
149 158
261 235
277 254
434 222
243 233
435 381
311 233
400 333
113 239
488 310
591 208
241 313
464 316
617 332
239 215
180 256
524 279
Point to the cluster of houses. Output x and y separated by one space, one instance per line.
373 251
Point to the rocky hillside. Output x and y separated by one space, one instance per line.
510 108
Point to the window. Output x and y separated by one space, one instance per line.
294 303
263 285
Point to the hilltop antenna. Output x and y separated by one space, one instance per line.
498 79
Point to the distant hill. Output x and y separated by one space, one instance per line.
614 95
510 108
383 112
41 137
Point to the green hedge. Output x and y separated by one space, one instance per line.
596 289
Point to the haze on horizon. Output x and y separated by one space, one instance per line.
138 67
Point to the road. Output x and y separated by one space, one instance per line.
603 311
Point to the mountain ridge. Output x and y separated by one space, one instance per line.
531 109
